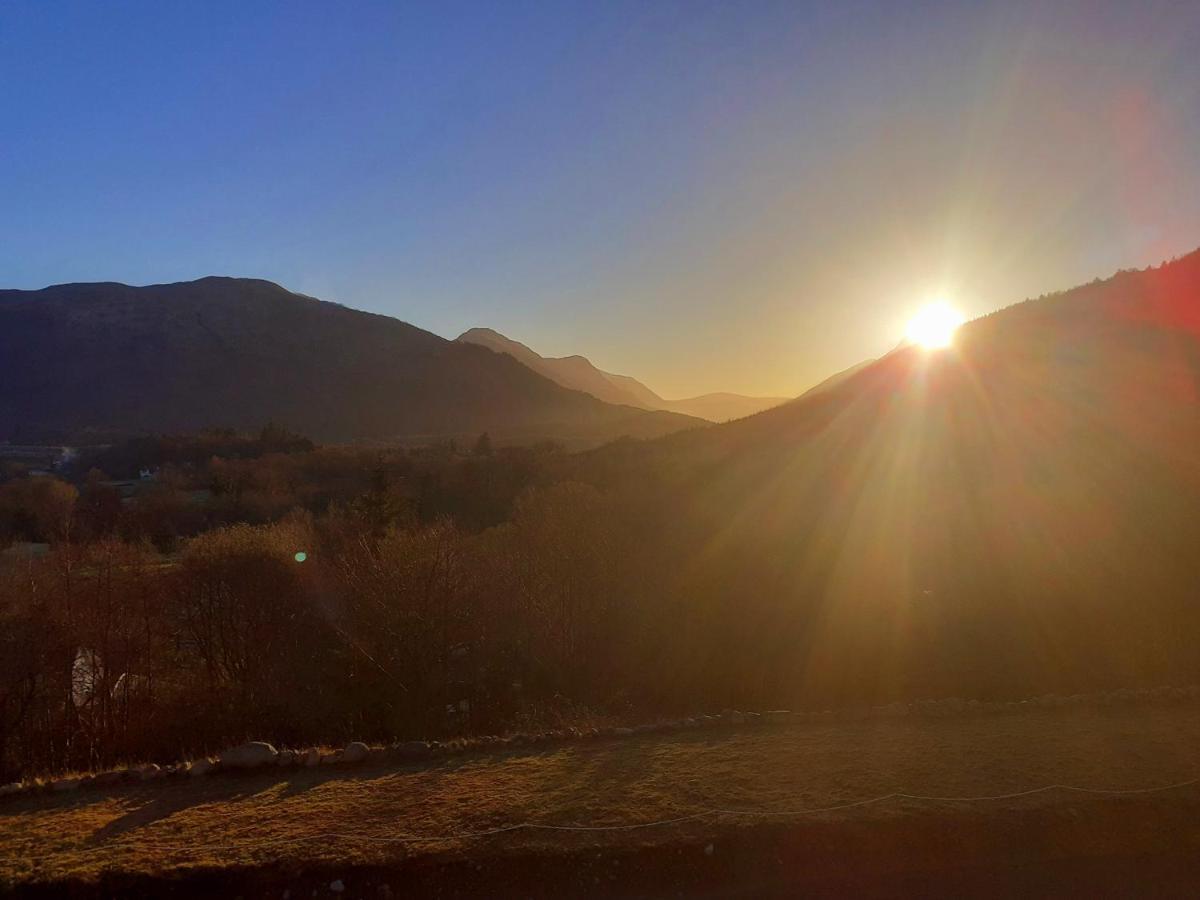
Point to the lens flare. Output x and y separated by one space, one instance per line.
934 325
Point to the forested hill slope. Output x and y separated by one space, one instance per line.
1123 352
239 352
1019 512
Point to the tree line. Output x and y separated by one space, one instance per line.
305 595
379 596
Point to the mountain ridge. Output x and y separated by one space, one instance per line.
579 373
1016 510
236 352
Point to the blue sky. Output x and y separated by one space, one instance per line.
736 196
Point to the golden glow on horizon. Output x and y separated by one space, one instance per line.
934 325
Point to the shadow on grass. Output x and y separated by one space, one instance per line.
145 804
615 751
148 804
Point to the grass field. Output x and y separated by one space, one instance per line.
386 818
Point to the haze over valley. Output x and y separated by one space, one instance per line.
578 373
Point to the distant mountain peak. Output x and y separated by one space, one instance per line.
239 352
579 373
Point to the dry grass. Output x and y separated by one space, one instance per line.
369 815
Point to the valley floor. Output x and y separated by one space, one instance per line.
405 830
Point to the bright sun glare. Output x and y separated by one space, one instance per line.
934 325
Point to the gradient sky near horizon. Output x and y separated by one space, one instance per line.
707 196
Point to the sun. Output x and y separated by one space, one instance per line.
934 325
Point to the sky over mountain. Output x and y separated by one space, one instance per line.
715 196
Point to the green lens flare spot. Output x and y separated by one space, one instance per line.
301 556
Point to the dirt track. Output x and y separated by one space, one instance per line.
260 834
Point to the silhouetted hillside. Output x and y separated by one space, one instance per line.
574 372
1019 512
241 352
578 373
1012 517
